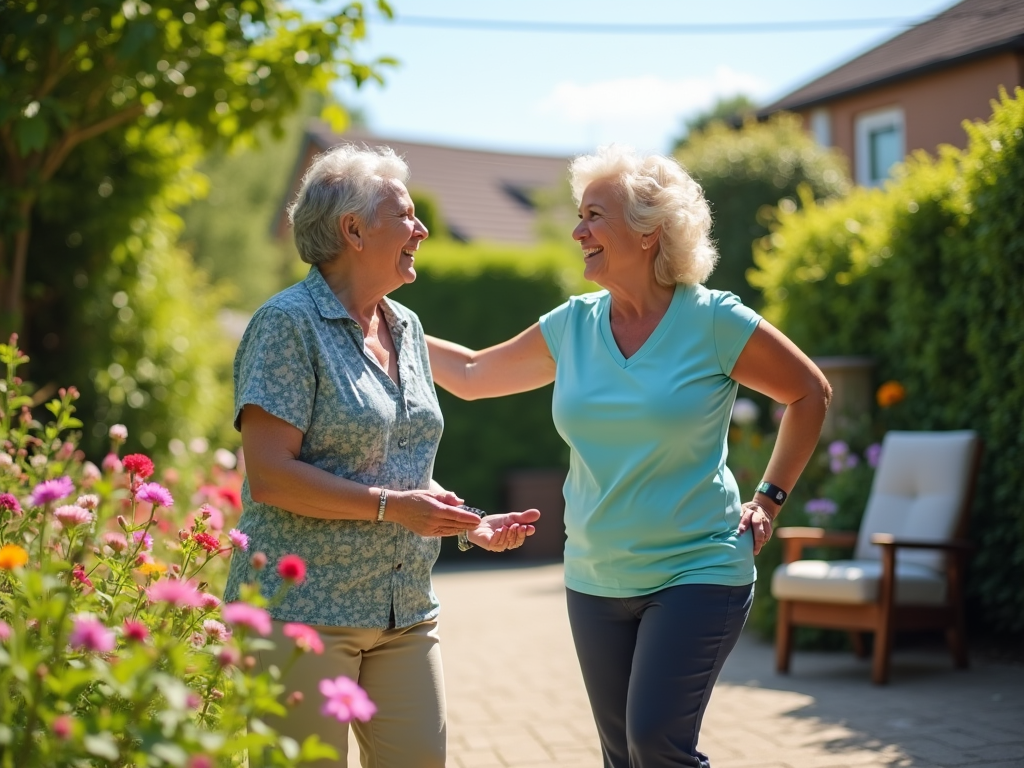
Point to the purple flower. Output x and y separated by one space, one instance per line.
837 464
346 701
821 507
155 494
873 454
180 594
91 634
852 461
838 448
239 539
51 490
247 616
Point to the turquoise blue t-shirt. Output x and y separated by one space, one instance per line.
649 501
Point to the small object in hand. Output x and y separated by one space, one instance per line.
464 542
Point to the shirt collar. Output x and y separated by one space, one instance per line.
326 302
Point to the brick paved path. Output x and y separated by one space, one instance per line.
516 699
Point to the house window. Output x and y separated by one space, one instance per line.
880 145
821 127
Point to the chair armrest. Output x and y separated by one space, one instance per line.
795 538
889 540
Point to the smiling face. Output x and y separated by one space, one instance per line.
611 248
392 242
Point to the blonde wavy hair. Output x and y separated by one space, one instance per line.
656 192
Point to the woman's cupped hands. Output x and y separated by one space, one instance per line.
429 513
497 533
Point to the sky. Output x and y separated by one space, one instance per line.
567 91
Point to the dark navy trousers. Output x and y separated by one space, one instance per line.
649 664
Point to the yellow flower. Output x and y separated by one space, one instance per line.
12 556
890 393
149 569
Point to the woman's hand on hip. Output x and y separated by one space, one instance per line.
758 521
496 533
429 513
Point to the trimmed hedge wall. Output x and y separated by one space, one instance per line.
927 277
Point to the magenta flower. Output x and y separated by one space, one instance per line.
346 701
51 490
243 614
238 539
90 634
8 502
135 631
5 631
216 630
200 761
71 515
62 727
873 454
306 638
145 538
155 494
180 594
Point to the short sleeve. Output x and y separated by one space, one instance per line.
274 369
734 322
552 326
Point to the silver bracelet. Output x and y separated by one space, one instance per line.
382 504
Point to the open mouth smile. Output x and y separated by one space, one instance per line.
588 252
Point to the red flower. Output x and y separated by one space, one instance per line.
138 464
207 541
292 568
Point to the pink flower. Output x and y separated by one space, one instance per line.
346 701
90 634
90 473
155 494
78 574
200 761
88 501
62 726
5 631
247 616
292 568
207 601
8 502
258 561
180 594
216 630
111 463
115 541
145 538
70 515
228 656
51 490
135 631
238 539
306 638
198 639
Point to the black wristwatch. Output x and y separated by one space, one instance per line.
773 492
464 542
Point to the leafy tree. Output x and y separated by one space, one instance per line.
732 110
74 70
747 172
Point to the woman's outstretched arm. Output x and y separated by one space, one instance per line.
517 365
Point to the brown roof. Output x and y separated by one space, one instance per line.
970 29
482 195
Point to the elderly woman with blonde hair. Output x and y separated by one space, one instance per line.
340 425
659 556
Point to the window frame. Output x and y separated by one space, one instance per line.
868 123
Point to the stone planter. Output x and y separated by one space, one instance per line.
852 391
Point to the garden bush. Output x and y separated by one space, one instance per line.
927 277
115 648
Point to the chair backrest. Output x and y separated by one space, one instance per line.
920 491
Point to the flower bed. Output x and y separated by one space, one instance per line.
115 648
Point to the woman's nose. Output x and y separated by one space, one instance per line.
421 230
580 232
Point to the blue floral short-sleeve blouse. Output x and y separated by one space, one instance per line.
302 359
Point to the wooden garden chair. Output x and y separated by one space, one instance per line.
909 555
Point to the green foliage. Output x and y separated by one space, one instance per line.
479 295
114 649
428 211
744 174
927 278
732 110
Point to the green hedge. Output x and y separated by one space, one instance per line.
927 277
479 295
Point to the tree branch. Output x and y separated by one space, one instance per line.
75 137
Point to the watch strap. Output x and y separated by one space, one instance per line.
773 492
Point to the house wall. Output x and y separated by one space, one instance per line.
934 104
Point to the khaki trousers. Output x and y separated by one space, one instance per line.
401 671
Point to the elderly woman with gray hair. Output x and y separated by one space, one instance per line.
659 556
340 425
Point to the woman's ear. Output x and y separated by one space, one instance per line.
352 231
651 239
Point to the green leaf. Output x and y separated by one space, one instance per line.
31 134
314 749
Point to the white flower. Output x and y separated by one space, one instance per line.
37 461
198 445
118 432
745 412
225 458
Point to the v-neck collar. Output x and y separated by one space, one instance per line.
659 330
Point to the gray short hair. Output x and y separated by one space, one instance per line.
656 192
345 179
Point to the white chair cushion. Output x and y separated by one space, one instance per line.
917 492
856 581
